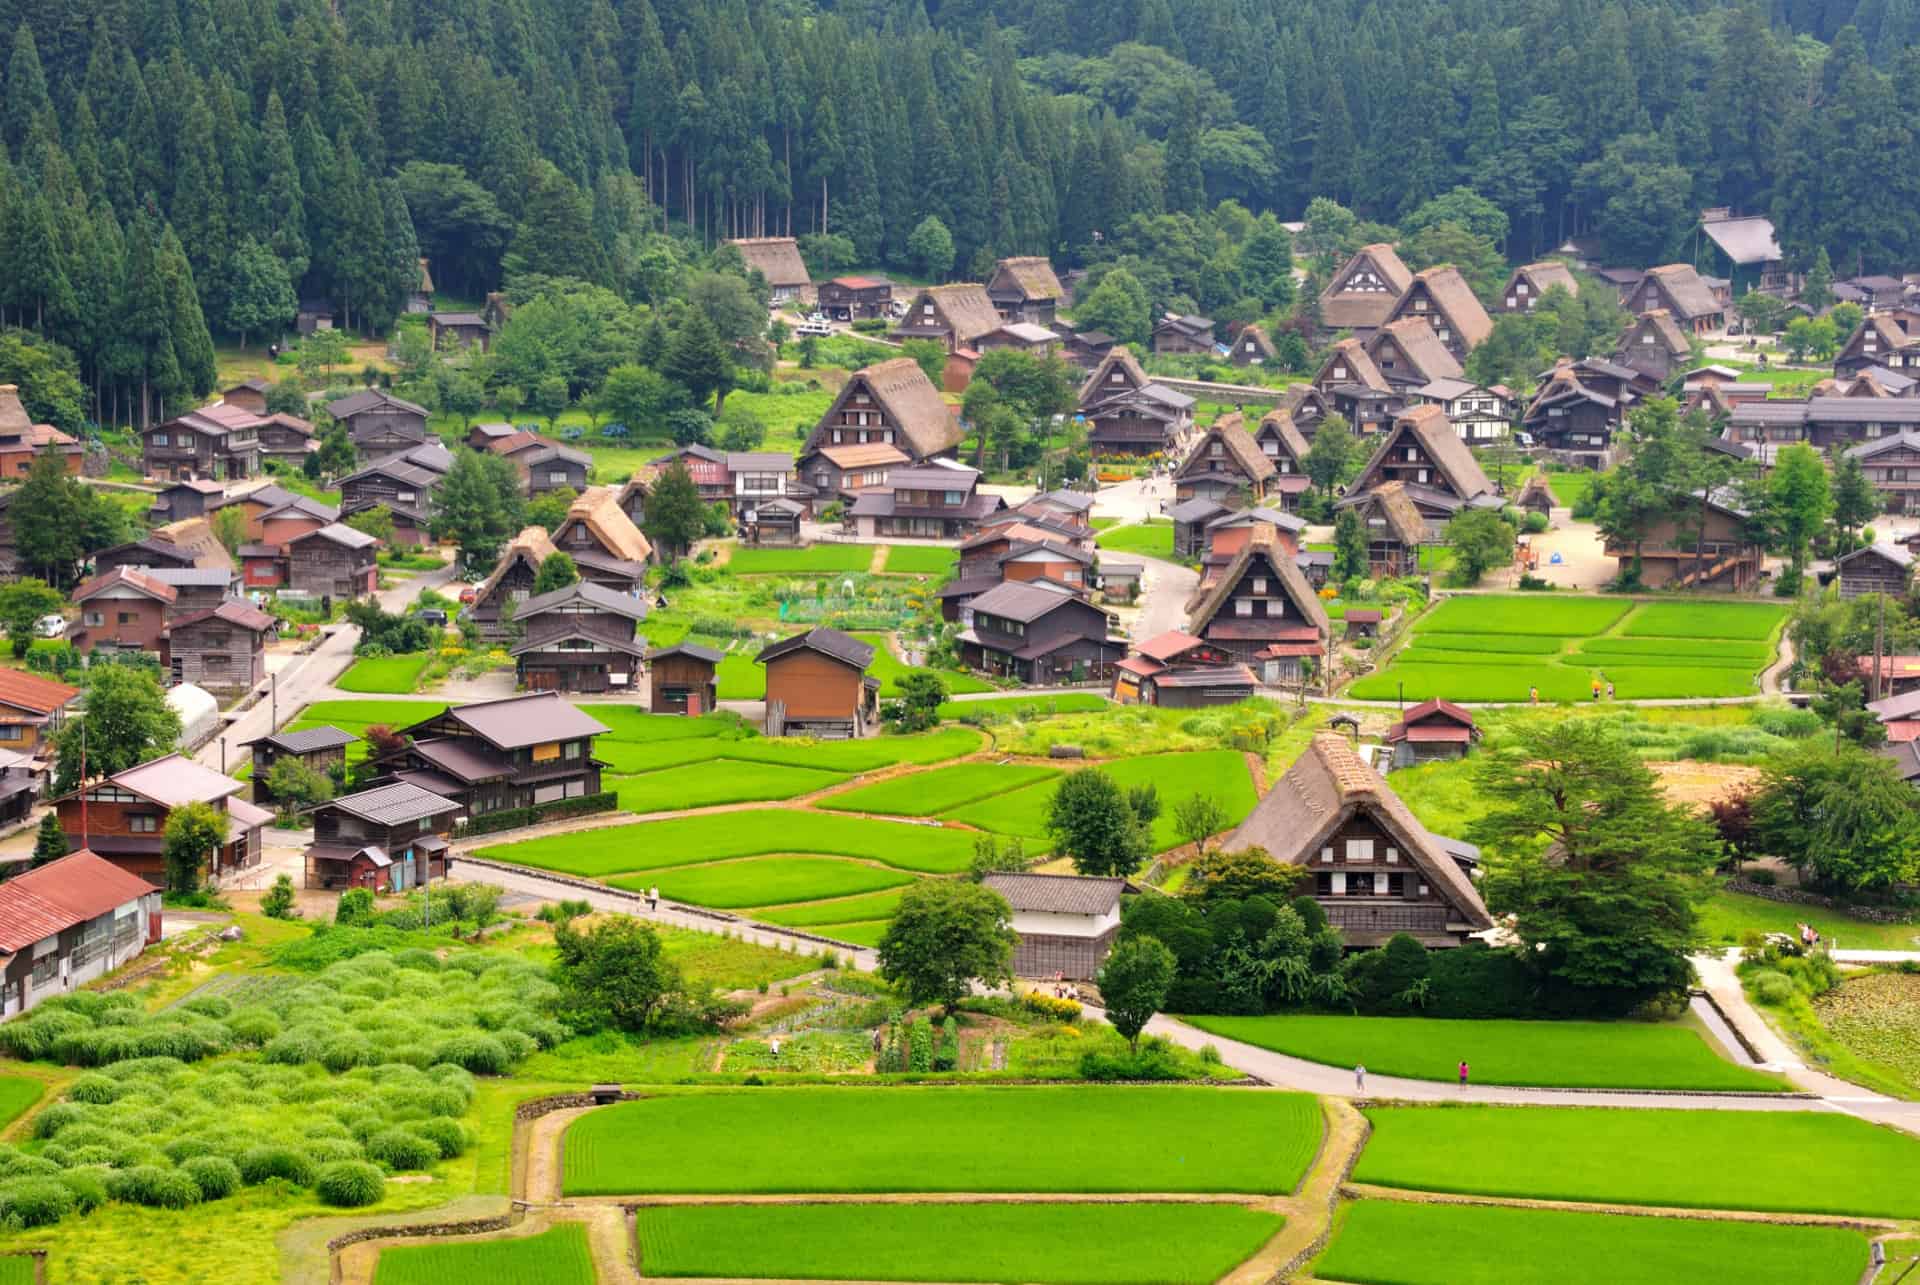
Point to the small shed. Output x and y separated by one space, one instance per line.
1431 730
1065 923
1363 622
684 679
1537 495
818 685
1875 568
774 521
320 748
1120 580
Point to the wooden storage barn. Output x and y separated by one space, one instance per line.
335 561
381 424
1039 635
580 639
1432 730
390 838
684 679
223 648
1066 923
818 685
1875 568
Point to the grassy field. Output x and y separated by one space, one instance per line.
1571 488
815 557
17 1269
919 560
682 841
716 781
728 962
1025 706
1729 916
1607 1055
1153 538
767 881
631 756
385 674
1146 1243
922 794
17 1094
1780 1161
1876 1018
890 669
1220 773
961 1139
556 1257
1503 648
1385 1242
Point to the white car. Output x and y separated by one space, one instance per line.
817 328
50 626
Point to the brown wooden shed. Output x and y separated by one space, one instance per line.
684 679
818 685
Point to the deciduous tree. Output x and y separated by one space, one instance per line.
556 572
194 832
127 722
1134 983
945 936
1094 825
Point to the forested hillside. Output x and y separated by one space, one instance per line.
263 149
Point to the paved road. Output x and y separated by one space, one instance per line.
1165 589
309 678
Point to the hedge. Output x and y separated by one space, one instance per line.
515 818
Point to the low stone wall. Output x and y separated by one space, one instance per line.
1800 897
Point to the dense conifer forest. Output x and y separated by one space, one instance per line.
174 169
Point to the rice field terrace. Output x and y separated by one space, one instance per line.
1504 647
1390 1242
385 674
964 1139
556 1257
1617 1055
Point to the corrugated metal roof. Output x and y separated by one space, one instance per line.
394 804
175 779
78 887
307 741
519 721
29 691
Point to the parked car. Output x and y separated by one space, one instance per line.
815 328
431 616
50 626
467 595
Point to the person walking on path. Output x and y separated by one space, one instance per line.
653 898
1463 1074
1360 1078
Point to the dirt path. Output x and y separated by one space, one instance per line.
1310 1211
536 1158
1367 1191
878 561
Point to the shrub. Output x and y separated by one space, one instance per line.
350 1184
1770 987
448 1136
57 1117
345 1051
399 1149
154 1186
94 1088
294 1048
216 1176
30 1167
1765 878
423 960
326 1151
481 1054
88 1186
35 1202
1154 1061
1060 1010
272 1160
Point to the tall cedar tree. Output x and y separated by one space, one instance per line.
675 517
479 507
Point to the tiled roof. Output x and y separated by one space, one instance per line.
519 721
129 577
844 648
1058 894
243 615
307 740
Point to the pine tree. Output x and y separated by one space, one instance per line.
50 844
697 360
1186 188
555 234
27 99
282 204
1817 293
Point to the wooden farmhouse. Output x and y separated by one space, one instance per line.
1262 612
1655 346
1025 289
1875 568
249 395
1889 340
1251 347
322 749
552 467
605 545
1178 671
684 679
1039 635
124 609
1226 465
219 442
509 584
1715 550
125 817
1395 530
1685 296
518 752
1307 407
1431 730
1088 348
195 588
1478 415
407 491
381 424
818 685
1282 442
1360 296
1409 355
147 554
458 331
1021 336
777 258
939 500
1071 508
1581 408
1443 297
1830 421
188 499
841 473
32 709
223 648
956 315
67 923
1376 870
1892 464
1530 282
1065 924
22 441
1127 413
758 478
856 298
390 838
580 639
287 439
891 403
1190 519
333 561
706 466
1354 388
1015 551
1438 471
1186 334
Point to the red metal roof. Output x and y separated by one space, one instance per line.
29 691
60 894
128 576
1170 644
1140 665
1288 649
1428 734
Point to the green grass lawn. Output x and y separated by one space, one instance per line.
766 881
947 1139
742 678
1696 619
683 841
874 906
1517 614
1605 1055
1401 1243
919 560
1025 707
1145 1243
556 1257
17 1269
385 674
1220 773
1729 916
816 557
1571 488
860 933
17 1094
1153 538
716 781
1776 1161
920 794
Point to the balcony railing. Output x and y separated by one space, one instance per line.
1384 916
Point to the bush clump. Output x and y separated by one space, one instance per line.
95 1088
88 1185
350 1184
448 1136
154 1186
216 1176
400 1149
481 1054
35 1202
270 1160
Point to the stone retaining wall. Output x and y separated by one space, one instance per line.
1799 897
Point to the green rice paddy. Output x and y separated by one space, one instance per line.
385 674
919 560
557 1257
1776 1161
728 885
1385 1242
682 841
942 788
1610 1055
17 1269
715 781
1145 1243
1152 539
815 557
856 1139
1220 773
17 1094
875 906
